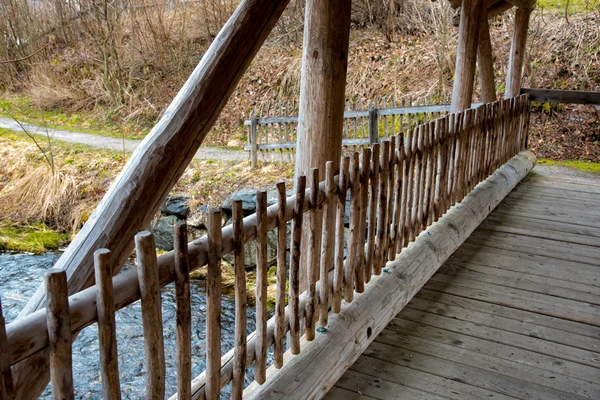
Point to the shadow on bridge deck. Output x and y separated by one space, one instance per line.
514 313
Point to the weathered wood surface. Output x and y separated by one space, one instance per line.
107 330
517 53
466 53
496 320
562 96
137 193
350 332
154 347
485 61
184 311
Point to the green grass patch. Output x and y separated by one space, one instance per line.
36 238
575 6
584 166
22 109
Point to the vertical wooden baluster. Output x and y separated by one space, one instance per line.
279 134
451 166
401 116
241 303
398 183
385 117
439 170
382 204
338 274
456 158
151 315
418 157
362 273
313 256
59 335
373 187
213 306
184 312
355 121
393 118
352 258
260 367
425 216
6 382
295 266
328 242
407 194
107 332
281 275
390 254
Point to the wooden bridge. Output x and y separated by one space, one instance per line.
443 288
514 313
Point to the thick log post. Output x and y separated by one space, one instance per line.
517 53
485 61
137 193
322 91
466 54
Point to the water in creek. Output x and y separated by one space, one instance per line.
20 276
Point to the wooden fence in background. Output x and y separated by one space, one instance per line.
272 127
396 188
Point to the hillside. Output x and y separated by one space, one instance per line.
66 84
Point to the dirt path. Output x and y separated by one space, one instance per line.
113 143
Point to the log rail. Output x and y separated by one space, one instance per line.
401 187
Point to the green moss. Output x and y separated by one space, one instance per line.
580 165
36 238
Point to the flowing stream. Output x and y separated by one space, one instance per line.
20 276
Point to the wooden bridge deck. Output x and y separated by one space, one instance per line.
514 313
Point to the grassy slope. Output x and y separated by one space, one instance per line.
23 227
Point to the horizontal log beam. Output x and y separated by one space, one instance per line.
350 332
562 96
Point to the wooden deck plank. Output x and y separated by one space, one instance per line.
514 312
491 364
535 283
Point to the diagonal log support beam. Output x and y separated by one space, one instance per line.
137 193
485 61
323 361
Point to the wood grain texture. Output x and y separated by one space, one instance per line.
184 311
241 302
151 172
562 96
59 335
261 287
338 276
328 242
466 53
294 293
280 290
517 53
107 330
154 348
213 306
485 61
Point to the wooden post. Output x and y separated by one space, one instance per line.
253 142
107 330
6 387
59 335
184 312
466 54
373 127
517 53
154 348
485 60
240 349
152 171
260 366
213 306
322 93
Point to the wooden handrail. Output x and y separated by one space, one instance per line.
562 96
431 169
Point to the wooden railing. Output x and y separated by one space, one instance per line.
272 127
396 188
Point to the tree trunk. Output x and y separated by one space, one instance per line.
466 54
322 90
485 59
517 53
